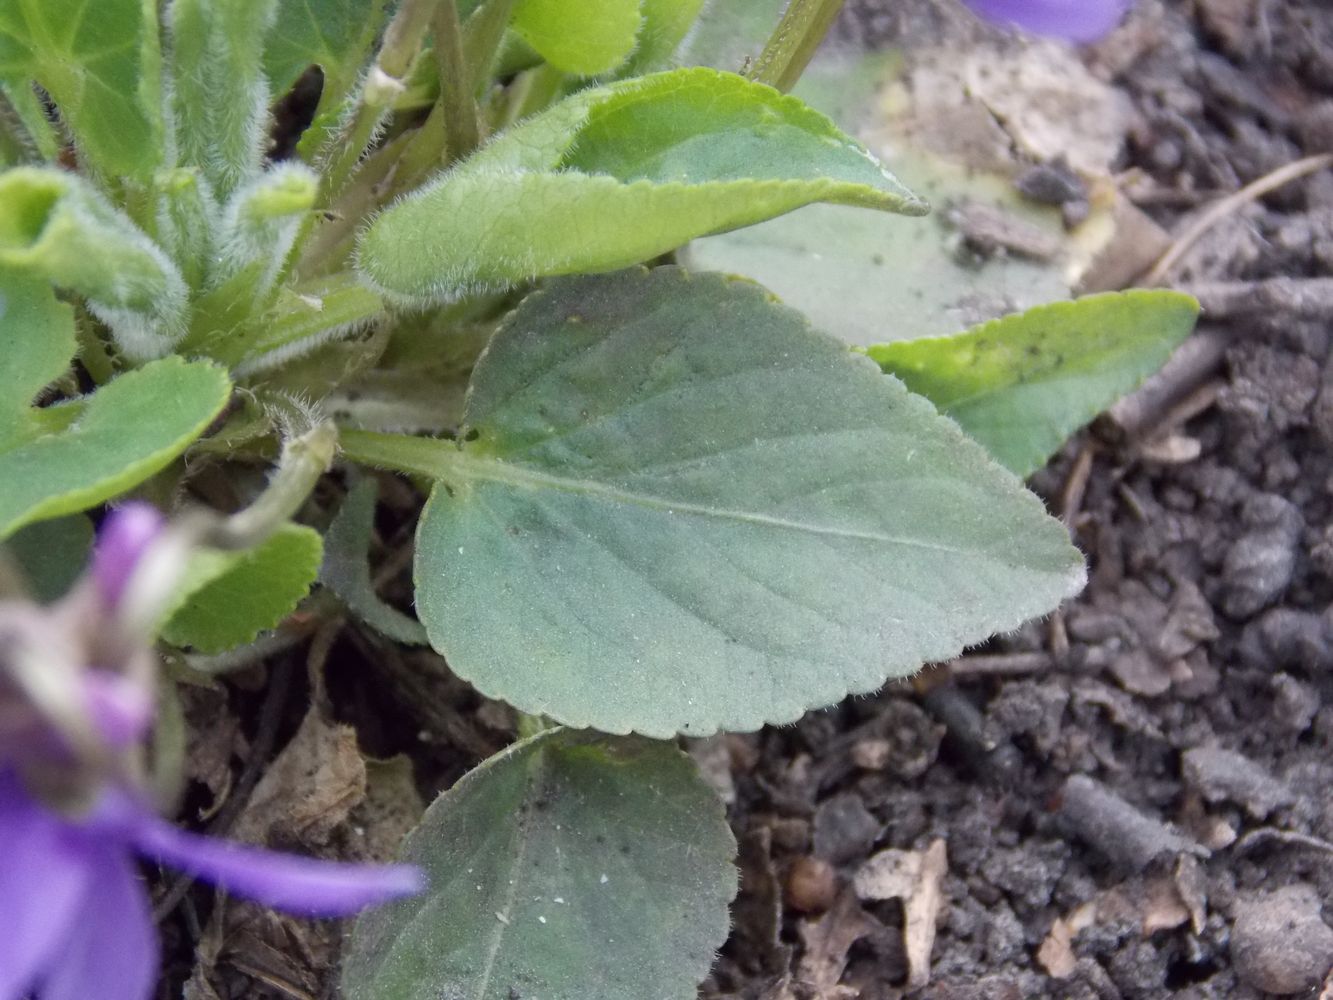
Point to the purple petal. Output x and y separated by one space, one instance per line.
125 535
1076 20
113 953
120 708
282 881
42 878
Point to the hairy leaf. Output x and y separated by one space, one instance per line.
123 433
680 509
36 344
616 175
583 37
665 25
572 866
233 596
1022 384
98 60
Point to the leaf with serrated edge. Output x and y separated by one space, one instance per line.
237 595
1022 384
616 175
680 509
127 430
571 866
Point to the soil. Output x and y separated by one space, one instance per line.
1130 799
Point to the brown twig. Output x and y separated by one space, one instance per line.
1308 297
1229 205
1137 414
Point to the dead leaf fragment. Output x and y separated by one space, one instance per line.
827 941
309 789
1056 953
914 877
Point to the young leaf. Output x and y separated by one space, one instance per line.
572 866
616 175
679 509
36 343
125 431
347 573
56 227
583 37
98 60
233 596
1022 384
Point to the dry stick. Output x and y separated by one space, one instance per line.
999 665
1308 297
1196 359
1231 203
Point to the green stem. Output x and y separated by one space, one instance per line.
482 36
304 460
415 456
456 98
793 42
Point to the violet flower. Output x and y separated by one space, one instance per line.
75 921
1076 20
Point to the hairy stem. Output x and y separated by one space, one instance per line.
793 42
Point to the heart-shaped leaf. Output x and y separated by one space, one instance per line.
572 866
679 509
1022 384
122 434
616 175
98 59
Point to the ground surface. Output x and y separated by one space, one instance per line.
1134 799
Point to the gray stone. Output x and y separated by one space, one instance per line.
1279 942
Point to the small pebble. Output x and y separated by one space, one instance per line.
1279 942
811 885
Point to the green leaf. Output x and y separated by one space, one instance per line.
335 35
125 431
52 554
572 866
680 509
98 61
583 37
868 279
36 342
616 175
665 25
1022 384
347 573
233 596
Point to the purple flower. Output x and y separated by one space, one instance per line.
74 918
1076 20
75 921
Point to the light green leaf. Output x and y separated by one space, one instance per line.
36 342
98 61
52 554
583 37
680 509
616 175
126 431
572 866
1022 384
665 25
346 570
233 596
